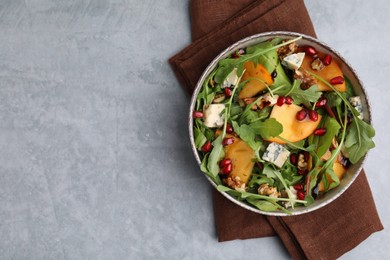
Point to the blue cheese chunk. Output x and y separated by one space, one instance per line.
212 115
294 61
276 154
356 102
231 79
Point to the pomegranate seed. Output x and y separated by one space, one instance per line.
289 100
298 186
229 128
293 158
259 165
225 162
301 195
313 115
321 102
207 147
227 92
227 141
226 169
319 131
311 51
306 156
337 80
274 74
301 115
281 100
197 114
302 172
327 60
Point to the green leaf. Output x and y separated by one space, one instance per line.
359 139
301 96
199 138
332 129
215 156
264 205
267 128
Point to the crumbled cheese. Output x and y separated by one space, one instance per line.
231 79
356 102
212 115
294 61
292 196
276 154
268 98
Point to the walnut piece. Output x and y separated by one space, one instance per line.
265 189
235 182
306 79
317 65
286 50
302 164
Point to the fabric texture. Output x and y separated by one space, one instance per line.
215 25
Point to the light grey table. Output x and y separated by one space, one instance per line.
95 161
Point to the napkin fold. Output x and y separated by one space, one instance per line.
326 233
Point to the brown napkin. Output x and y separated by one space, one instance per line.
323 234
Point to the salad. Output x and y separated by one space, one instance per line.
277 125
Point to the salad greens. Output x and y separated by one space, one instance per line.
289 141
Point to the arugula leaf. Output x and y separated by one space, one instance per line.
203 168
267 128
264 205
301 96
359 139
199 138
332 129
248 135
216 154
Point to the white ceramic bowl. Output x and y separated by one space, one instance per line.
352 172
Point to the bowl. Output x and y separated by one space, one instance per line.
347 70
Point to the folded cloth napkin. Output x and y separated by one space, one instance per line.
326 233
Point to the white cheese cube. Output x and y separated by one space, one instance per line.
276 154
231 79
212 115
294 61
356 102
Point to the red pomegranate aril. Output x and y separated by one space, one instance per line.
301 195
298 186
319 131
301 115
281 100
227 141
225 162
313 115
197 114
207 147
226 169
289 100
337 80
321 102
229 129
311 51
293 159
302 172
227 92
327 60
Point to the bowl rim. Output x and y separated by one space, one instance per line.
214 63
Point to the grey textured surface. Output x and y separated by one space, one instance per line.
95 161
